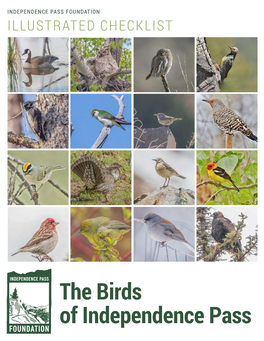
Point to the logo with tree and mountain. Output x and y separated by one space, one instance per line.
29 302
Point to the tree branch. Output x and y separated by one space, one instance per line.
106 131
223 186
22 140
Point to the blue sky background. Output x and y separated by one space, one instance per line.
87 128
24 123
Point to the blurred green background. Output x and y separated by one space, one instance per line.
243 75
175 105
81 247
48 194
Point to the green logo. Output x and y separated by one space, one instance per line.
29 302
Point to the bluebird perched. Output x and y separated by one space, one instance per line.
107 119
166 171
166 120
162 230
161 63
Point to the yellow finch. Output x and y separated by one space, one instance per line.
218 174
100 227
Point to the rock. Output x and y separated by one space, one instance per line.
168 196
161 137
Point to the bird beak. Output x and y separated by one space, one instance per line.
154 159
230 47
156 114
206 100
79 232
142 220
55 223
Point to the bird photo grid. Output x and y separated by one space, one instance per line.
129 150
140 156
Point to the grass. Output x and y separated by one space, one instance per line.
120 194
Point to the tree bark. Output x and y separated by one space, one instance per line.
208 72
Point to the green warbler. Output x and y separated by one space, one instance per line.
96 228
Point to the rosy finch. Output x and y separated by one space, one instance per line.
43 241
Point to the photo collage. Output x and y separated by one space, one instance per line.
132 149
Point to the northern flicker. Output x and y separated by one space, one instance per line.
91 172
227 62
228 121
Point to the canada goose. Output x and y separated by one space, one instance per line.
37 62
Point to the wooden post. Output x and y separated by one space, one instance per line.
228 141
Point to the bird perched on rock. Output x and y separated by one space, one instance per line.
227 62
107 119
36 120
221 226
161 63
165 171
91 172
218 174
166 120
36 175
228 121
43 241
162 230
100 227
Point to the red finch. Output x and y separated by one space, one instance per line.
43 241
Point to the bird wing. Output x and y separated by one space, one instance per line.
105 114
173 232
115 224
222 173
173 171
220 228
39 236
113 118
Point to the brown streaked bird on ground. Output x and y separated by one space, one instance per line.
166 120
91 172
221 226
228 121
165 171
161 63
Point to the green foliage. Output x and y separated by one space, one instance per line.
87 48
74 80
104 248
243 169
12 56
